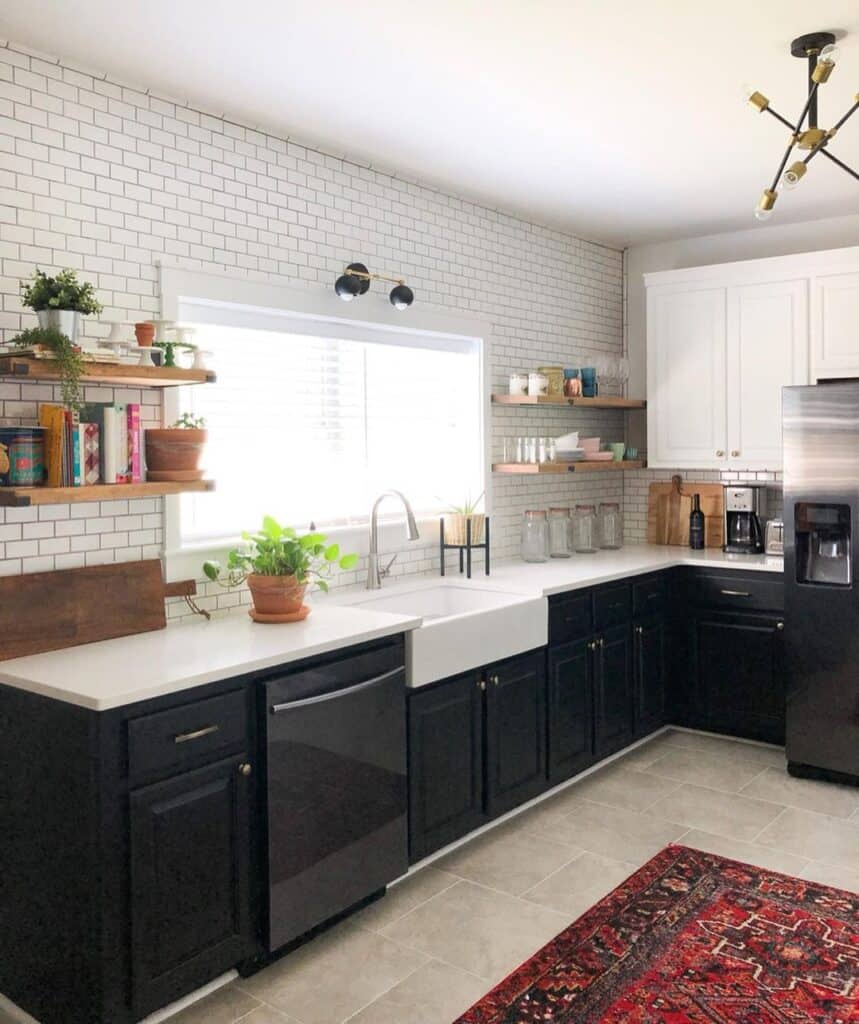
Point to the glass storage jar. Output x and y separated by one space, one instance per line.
535 537
610 525
585 529
559 533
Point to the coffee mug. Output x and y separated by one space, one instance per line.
617 450
589 381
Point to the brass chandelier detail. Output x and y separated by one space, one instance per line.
819 49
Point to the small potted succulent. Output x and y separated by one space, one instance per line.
174 453
278 565
59 301
456 519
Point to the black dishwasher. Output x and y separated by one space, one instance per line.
336 786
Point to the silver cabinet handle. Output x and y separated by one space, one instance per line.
601 642
481 685
592 646
308 701
197 734
735 593
495 680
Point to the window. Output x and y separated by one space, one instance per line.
309 421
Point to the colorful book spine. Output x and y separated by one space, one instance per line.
90 455
135 462
123 472
51 417
75 438
110 444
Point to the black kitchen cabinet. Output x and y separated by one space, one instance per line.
612 652
648 645
446 793
737 666
190 862
570 709
515 731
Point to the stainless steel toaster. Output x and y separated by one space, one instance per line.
774 537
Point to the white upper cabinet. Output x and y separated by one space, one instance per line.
686 407
767 349
835 324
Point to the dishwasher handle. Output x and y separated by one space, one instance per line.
307 702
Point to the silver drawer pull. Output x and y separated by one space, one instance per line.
736 593
197 734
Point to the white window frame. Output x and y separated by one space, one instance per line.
314 311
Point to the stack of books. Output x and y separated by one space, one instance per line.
102 443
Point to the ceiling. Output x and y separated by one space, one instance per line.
619 120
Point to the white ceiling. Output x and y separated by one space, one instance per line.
619 120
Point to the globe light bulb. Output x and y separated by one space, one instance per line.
347 287
763 214
402 296
794 175
829 54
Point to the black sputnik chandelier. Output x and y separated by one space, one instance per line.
818 48
355 280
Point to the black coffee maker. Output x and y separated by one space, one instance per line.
744 515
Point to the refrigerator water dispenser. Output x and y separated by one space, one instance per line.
823 544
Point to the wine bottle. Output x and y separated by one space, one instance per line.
696 524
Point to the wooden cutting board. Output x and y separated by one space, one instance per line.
46 611
668 508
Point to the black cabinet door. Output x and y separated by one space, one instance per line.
612 691
737 661
445 763
515 731
190 891
570 709
648 639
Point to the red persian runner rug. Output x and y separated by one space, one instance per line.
691 938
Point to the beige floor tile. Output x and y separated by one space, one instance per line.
334 976
226 1006
607 831
765 756
484 932
619 787
436 993
647 753
737 817
749 853
816 836
832 874
403 897
580 884
268 1015
511 860
806 794
716 771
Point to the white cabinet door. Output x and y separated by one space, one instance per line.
686 407
835 325
767 349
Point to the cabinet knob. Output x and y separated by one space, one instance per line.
601 642
734 453
719 453
779 626
495 680
481 684
592 646
639 630
245 769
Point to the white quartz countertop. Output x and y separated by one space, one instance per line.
114 673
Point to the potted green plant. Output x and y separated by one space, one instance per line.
59 301
174 452
66 355
456 519
278 565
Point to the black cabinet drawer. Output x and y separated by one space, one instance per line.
172 741
612 606
570 617
648 596
738 593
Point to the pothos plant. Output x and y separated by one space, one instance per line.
277 550
66 355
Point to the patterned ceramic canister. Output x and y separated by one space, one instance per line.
22 456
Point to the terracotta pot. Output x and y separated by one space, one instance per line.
145 333
455 528
174 449
276 595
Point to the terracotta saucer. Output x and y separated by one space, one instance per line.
178 476
302 613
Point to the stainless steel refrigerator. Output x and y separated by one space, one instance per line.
821 528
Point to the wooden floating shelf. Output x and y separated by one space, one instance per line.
555 468
608 402
23 497
118 374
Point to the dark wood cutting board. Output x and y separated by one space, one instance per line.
46 611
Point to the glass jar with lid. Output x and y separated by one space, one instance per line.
559 533
535 536
610 525
585 529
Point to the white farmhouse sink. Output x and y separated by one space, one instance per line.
464 626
